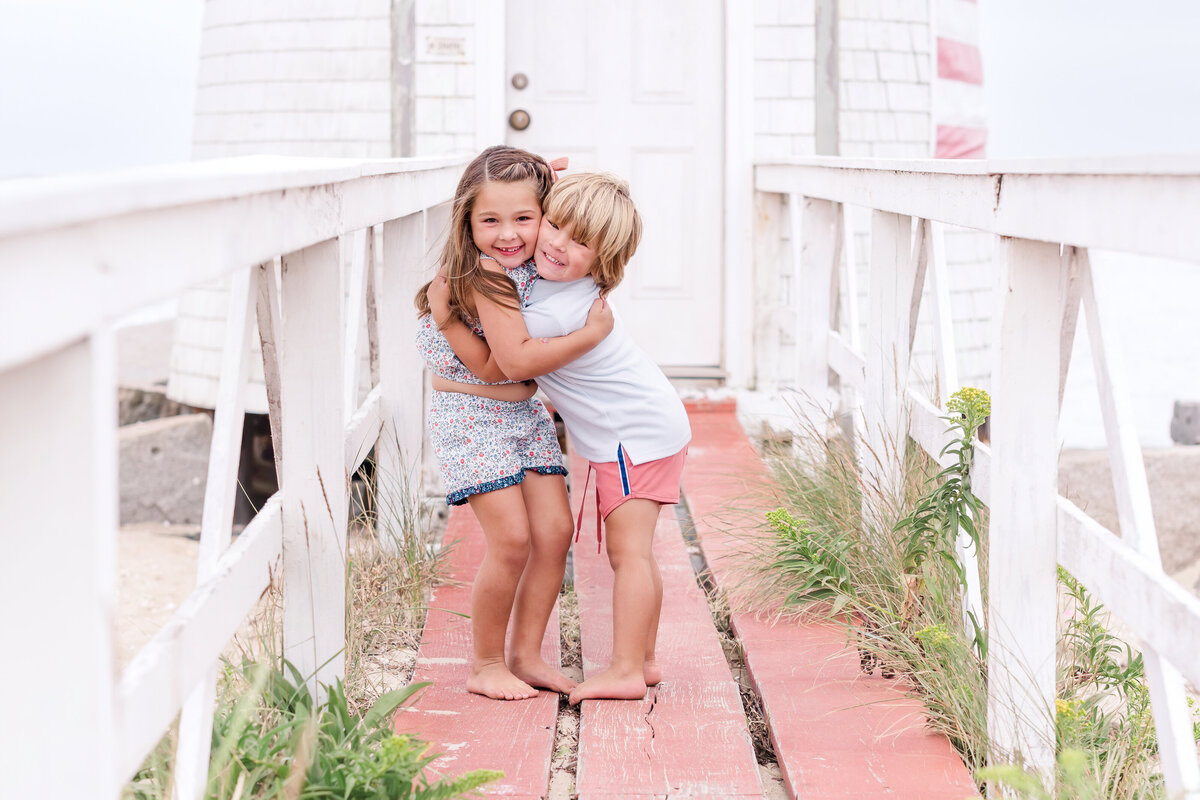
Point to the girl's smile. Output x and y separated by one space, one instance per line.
504 222
559 257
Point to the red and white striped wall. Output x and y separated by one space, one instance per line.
959 109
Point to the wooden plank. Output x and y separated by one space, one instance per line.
313 479
837 733
112 264
153 687
849 365
401 370
361 244
1022 532
216 523
689 736
887 352
58 491
1169 700
362 431
471 731
270 327
1164 615
768 254
1117 208
814 291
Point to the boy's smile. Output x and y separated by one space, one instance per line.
559 257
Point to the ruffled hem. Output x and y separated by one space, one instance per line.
459 497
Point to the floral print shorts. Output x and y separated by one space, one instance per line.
484 444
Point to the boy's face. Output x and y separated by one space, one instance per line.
559 257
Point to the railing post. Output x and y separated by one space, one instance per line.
768 251
1023 533
815 292
216 523
313 479
58 520
398 451
887 352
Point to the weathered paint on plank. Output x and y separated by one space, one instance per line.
837 733
474 732
689 736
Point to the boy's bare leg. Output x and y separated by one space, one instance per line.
501 514
630 539
651 671
550 528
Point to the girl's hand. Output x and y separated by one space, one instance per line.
600 318
439 300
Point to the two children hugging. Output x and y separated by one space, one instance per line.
520 295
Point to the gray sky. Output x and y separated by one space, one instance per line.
96 85
1101 77
92 85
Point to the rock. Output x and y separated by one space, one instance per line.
138 404
1185 423
163 467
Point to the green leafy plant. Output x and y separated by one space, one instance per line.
930 530
812 561
275 742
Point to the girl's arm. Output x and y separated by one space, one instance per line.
470 349
522 357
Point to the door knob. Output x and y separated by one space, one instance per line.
519 119
520 81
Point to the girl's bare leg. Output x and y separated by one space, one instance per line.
629 532
550 528
501 514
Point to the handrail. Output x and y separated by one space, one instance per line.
157 231
79 252
1046 213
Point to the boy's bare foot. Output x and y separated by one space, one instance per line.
494 680
539 674
610 685
651 672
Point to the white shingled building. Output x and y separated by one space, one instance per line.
679 97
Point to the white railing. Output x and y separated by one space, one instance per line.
78 253
1046 215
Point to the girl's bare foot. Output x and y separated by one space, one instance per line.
539 674
651 672
611 685
494 680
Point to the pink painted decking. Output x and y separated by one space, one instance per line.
688 738
837 732
474 732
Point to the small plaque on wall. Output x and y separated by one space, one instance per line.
447 48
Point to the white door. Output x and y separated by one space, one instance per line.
636 88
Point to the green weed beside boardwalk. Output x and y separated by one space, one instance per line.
840 549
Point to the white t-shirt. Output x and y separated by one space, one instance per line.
612 395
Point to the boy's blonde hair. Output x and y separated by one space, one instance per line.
599 212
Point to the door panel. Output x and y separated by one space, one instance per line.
636 89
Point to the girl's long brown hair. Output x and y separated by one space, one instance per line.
460 256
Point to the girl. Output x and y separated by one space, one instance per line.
496 443
622 413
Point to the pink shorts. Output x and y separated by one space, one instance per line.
621 480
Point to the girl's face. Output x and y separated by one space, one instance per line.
504 221
559 257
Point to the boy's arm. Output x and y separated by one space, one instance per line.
472 351
522 357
